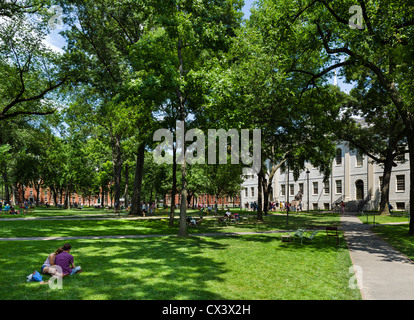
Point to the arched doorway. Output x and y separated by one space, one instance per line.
359 184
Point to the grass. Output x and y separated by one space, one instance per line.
249 267
381 219
398 237
121 226
244 267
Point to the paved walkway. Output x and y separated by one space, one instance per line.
383 273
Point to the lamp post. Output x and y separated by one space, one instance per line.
307 174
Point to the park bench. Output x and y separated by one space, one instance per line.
298 234
332 232
311 236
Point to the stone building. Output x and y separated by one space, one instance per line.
355 179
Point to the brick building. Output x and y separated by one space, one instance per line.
46 197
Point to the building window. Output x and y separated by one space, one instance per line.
338 186
326 187
315 188
252 190
400 206
338 156
326 206
31 192
380 183
283 190
401 183
246 192
292 189
315 206
301 188
359 159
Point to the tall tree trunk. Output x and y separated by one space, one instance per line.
66 198
136 192
410 138
53 189
259 195
386 178
183 208
15 194
6 184
265 195
126 184
103 196
174 186
117 165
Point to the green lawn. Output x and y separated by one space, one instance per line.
397 236
254 267
381 219
121 226
247 267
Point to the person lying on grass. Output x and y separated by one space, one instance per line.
65 261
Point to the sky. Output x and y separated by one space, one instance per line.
57 42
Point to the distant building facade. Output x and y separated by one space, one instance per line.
45 196
354 179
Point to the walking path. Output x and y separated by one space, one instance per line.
383 273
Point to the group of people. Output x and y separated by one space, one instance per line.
60 263
229 216
9 208
209 208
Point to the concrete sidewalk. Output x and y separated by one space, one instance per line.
383 273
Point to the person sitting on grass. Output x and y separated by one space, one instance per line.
12 210
228 214
48 266
66 261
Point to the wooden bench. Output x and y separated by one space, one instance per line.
332 232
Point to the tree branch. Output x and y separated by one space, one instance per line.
17 113
18 100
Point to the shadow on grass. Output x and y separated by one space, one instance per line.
169 268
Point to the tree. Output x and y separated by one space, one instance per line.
190 34
29 71
380 48
370 124
253 90
101 51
